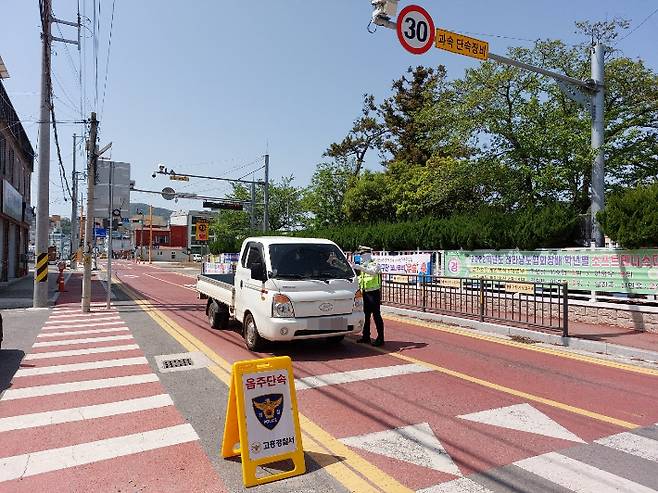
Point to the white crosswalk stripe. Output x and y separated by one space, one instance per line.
86 331
75 326
26 465
578 476
92 365
65 388
89 319
80 352
68 342
633 444
70 415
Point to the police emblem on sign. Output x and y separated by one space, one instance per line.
268 409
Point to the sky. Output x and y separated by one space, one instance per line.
209 86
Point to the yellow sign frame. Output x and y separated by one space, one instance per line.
235 441
460 44
201 234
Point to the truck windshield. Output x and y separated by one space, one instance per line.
309 261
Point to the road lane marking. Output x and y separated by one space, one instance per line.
523 417
89 365
76 326
34 420
86 340
511 391
416 444
89 319
172 283
349 468
20 466
82 332
461 485
630 443
578 476
80 352
527 347
65 388
358 376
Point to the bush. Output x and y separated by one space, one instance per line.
631 217
552 226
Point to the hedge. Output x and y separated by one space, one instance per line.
631 217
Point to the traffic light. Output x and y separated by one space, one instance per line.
233 206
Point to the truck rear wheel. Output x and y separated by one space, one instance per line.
217 315
251 336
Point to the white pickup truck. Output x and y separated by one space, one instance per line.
285 289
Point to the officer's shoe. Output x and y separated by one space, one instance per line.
378 342
363 340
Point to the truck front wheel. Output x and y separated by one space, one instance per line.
251 336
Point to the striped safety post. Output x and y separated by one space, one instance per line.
42 267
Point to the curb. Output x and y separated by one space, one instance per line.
576 343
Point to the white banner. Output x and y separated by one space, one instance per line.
417 263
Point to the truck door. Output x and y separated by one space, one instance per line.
248 294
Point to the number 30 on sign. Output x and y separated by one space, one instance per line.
415 29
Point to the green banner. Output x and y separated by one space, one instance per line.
615 271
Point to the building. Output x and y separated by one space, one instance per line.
16 166
189 220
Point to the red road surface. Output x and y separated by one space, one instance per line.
381 404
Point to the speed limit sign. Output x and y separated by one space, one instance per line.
415 29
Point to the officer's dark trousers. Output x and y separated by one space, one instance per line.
372 301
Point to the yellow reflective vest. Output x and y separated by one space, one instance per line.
369 282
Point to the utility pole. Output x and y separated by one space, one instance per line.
266 195
598 129
41 240
150 234
141 239
74 212
89 222
110 228
252 215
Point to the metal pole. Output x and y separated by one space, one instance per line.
110 206
266 195
89 220
252 216
150 234
598 128
141 240
40 299
74 213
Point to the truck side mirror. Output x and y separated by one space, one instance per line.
258 272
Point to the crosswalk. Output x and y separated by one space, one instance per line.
84 401
560 471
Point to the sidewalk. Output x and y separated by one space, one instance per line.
602 339
19 293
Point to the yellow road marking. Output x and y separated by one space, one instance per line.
511 391
528 347
350 469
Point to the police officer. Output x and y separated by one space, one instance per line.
370 283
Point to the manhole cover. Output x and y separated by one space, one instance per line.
182 361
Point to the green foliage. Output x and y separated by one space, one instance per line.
631 217
552 226
323 199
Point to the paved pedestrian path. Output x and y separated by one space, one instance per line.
85 412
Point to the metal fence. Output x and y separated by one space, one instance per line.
531 304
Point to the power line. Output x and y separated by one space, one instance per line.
638 26
107 59
62 171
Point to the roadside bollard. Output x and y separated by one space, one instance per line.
60 278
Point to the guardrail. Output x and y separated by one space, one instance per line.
532 304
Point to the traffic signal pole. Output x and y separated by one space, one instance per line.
590 94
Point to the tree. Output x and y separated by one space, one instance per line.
367 133
323 198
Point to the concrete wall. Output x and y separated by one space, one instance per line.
628 316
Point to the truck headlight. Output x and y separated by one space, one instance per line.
358 301
282 306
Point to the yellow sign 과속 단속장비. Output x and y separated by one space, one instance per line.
460 44
262 421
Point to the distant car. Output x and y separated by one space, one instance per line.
197 257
